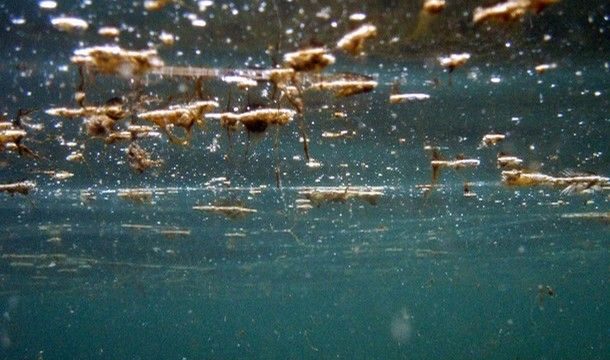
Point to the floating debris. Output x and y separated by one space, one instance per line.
571 183
99 126
133 132
232 212
255 120
167 39
184 116
510 10
303 205
491 140
56 240
505 161
353 42
154 5
138 196
604 216
343 88
356 17
109 31
111 59
242 82
320 195
542 68
76 157
401 98
460 162
137 226
69 24
425 189
139 159
313 164
61 175
86 196
468 193
425 18
6 125
313 59
453 61
23 187
11 139
434 6
174 233
280 76
114 111
338 134
57 175
47 4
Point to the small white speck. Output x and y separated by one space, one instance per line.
198 23
47 4
18 21
357 17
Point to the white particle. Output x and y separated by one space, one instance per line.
198 23
47 4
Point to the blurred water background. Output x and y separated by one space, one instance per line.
510 273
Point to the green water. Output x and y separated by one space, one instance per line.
506 274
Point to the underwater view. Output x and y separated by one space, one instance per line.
288 179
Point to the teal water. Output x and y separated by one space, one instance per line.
506 274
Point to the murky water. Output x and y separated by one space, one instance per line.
494 272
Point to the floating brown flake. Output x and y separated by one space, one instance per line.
22 187
111 59
510 10
313 59
140 159
353 42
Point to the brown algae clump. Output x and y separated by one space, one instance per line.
510 10
570 182
140 159
343 88
137 196
319 195
99 126
111 59
11 139
255 120
184 116
313 59
453 61
23 187
353 42
113 111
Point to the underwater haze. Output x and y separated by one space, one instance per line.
316 215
